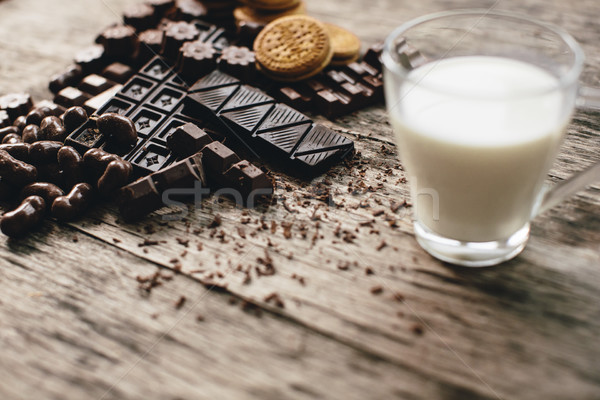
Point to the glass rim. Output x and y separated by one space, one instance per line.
565 80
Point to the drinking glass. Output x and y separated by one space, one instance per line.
479 102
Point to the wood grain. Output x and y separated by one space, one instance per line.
365 312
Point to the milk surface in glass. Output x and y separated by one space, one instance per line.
477 135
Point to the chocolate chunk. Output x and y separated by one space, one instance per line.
4 119
91 59
195 59
187 140
92 105
120 41
139 198
95 84
161 6
218 158
70 77
176 33
189 10
118 72
150 44
70 96
16 104
239 62
140 16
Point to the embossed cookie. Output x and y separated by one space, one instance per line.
271 5
293 48
345 45
249 14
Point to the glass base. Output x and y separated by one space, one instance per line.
471 254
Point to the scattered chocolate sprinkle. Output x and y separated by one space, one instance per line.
377 213
148 242
369 271
344 266
215 222
377 290
417 329
180 302
116 240
381 245
183 242
398 297
274 297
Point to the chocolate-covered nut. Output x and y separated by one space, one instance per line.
35 116
96 160
115 176
65 208
119 129
20 151
8 130
12 138
7 191
31 133
71 164
50 172
20 123
73 118
44 151
52 129
47 191
21 220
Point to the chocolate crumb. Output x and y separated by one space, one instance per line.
75 239
417 329
216 221
199 246
344 266
399 297
377 290
369 271
183 242
148 242
381 245
199 318
377 213
241 232
180 302
274 297
116 240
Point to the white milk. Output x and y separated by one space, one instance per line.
484 146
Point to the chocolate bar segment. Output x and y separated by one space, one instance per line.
273 130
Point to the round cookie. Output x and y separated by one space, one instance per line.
345 45
293 48
271 5
249 14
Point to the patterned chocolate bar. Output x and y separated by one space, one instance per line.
273 130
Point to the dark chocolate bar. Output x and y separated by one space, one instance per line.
153 100
274 130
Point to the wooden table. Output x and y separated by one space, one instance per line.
364 312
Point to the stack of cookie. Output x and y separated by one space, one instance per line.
298 47
260 12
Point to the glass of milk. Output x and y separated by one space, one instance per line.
479 102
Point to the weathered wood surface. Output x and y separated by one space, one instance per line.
366 313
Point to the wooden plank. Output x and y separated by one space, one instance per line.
526 329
